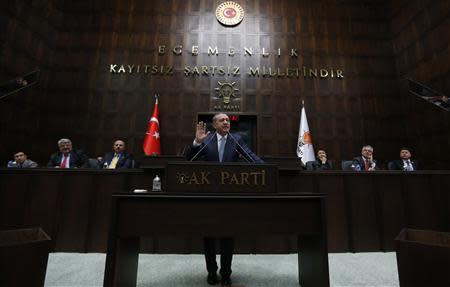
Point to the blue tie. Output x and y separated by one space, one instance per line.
221 148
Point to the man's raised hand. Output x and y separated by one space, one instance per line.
200 132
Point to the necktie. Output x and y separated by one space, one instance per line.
221 148
64 162
408 165
114 161
366 164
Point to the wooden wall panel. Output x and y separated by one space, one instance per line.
27 39
365 212
76 43
422 54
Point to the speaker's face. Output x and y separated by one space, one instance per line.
222 124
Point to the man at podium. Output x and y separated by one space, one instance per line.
219 146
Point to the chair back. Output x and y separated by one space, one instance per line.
391 165
310 165
93 163
346 164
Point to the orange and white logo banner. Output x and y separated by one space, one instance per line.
305 149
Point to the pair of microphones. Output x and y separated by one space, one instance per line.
246 156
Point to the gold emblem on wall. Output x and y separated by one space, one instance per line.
229 13
227 91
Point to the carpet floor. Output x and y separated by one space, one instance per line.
346 270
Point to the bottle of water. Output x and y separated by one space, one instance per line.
156 184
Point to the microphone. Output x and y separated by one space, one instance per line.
246 153
203 147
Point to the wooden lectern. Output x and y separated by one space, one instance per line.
218 214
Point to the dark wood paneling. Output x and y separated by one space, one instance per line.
422 54
337 204
376 43
43 191
13 199
102 106
363 208
392 209
27 40
364 212
74 211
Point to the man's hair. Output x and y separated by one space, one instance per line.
64 140
124 143
217 115
405 148
367 145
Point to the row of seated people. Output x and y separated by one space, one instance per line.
365 162
67 157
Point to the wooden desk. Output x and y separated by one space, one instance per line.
137 215
365 210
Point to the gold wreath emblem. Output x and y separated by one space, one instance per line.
229 13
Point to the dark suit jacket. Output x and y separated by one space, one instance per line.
360 161
26 164
398 164
231 152
77 159
125 160
317 165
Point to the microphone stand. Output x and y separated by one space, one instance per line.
203 147
242 155
252 160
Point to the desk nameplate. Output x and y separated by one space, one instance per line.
221 177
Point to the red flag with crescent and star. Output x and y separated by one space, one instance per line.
152 145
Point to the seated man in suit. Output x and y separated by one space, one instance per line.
220 146
405 162
21 161
67 157
118 158
322 163
365 162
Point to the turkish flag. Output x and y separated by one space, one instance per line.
152 145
